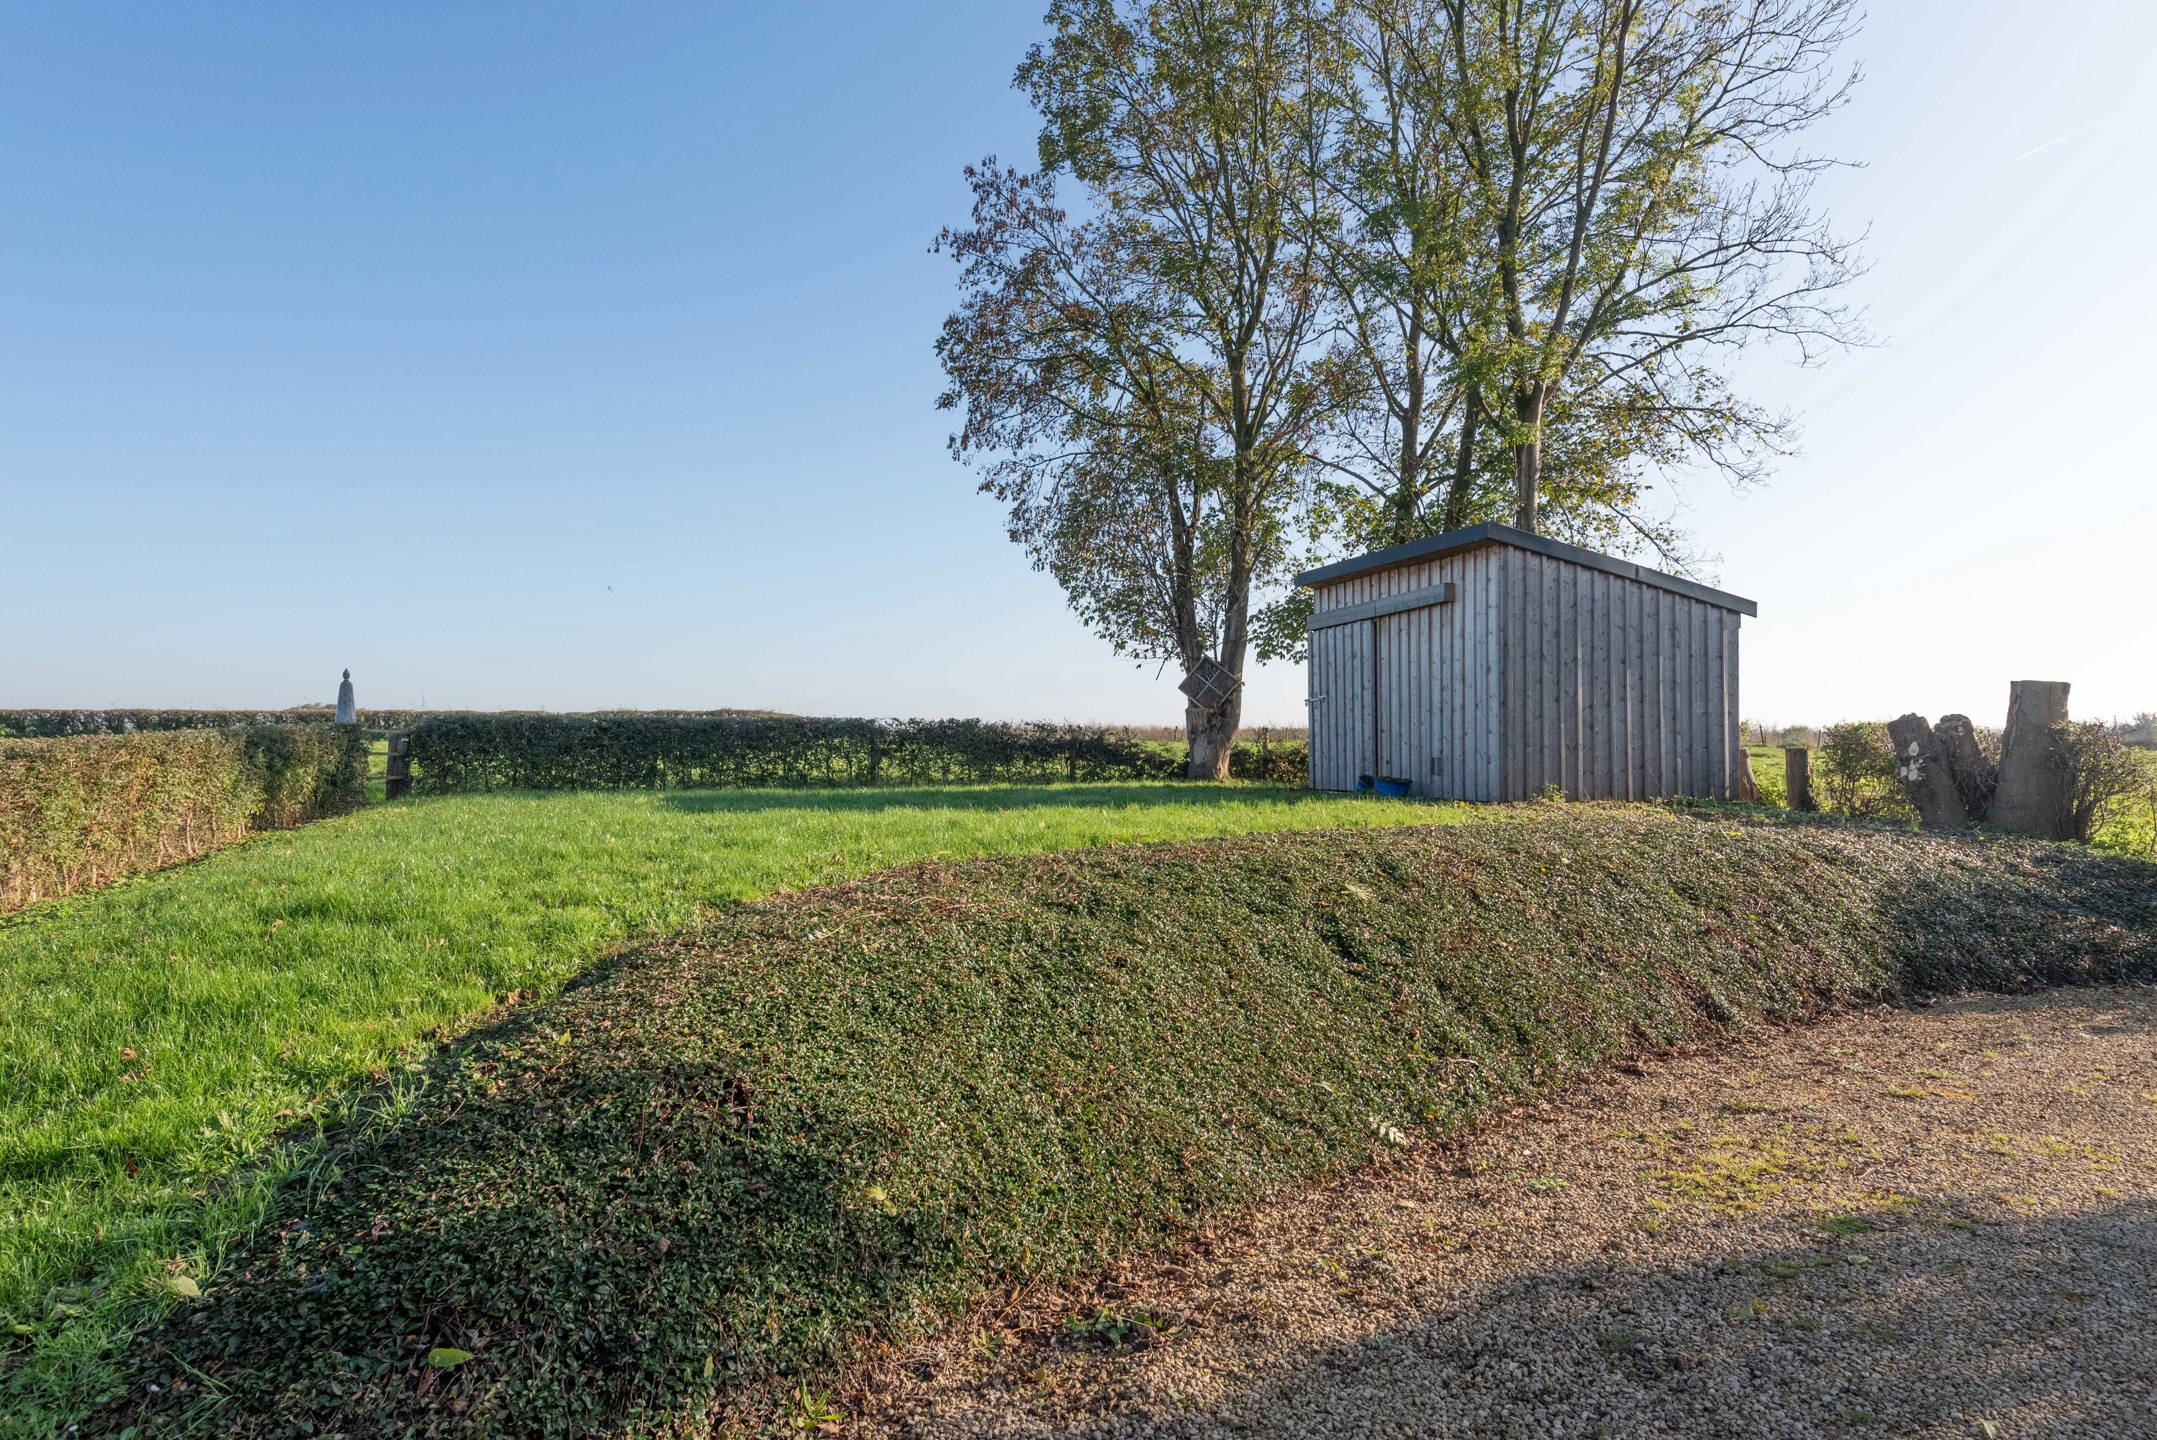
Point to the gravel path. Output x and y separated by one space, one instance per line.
1939 1222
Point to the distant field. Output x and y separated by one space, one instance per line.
169 1046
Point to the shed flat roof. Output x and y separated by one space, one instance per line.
1452 541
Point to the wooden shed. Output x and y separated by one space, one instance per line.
1492 664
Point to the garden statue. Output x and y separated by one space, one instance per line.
347 713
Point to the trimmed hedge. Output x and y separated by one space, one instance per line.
52 724
733 1158
627 752
82 811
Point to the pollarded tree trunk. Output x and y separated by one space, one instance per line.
2030 796
1974 774
1925 774
1212 734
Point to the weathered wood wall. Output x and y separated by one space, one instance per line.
1616 689
1424 706
1538 672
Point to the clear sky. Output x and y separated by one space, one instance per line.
577 356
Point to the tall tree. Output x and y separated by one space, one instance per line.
1406 279
1082 422
1147 388
1634 180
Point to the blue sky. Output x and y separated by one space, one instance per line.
580 356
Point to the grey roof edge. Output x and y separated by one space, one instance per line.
1431 547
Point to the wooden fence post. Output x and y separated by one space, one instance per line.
1797 777
398 781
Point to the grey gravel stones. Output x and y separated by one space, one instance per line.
1937 1222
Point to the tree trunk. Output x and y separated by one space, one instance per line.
1456 500
1528 454
1407 495
1212 734
2031 793
1925 774
1974 775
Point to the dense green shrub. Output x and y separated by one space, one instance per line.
601 752
731 1156
2102 778
1279 762
305 771
81 811
1853 772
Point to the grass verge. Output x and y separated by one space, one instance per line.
655 1204
171 1046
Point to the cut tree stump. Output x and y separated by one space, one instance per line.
1974 775
1925 775
2030 796
1748 783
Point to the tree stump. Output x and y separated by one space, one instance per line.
1797 778
1925 774
2030 795
1974 774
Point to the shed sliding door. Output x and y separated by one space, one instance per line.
1342 706
1404 690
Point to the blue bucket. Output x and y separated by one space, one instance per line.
1398 789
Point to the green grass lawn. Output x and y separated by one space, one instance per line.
169 1047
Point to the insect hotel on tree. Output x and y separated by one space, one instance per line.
1493 664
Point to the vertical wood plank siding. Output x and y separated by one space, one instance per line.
1538 672
1433 710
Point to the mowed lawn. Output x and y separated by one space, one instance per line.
170 1047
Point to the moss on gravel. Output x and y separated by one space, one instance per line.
728 1158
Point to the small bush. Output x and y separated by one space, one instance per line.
1277 762
1853 771
2130 827
82 811
2101 777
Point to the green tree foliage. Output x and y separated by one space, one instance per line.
1637 194
1145 389
1354 273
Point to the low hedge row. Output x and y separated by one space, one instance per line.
52 724
615 752
84 810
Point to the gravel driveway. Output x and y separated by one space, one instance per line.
1939 1222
